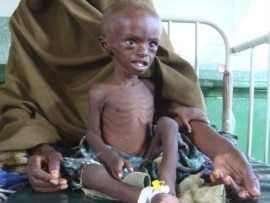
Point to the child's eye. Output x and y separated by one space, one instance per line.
153 45
131 42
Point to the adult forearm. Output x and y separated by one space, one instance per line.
208 140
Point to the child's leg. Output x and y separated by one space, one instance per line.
97 178
167 130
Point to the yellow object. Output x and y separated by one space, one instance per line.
158 184
16 160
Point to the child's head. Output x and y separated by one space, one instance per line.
130 33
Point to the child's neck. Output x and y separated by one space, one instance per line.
127 80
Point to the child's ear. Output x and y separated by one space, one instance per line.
104 45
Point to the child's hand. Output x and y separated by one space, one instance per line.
115 167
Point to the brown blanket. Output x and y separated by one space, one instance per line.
54 58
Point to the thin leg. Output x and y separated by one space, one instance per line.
97 178
166 141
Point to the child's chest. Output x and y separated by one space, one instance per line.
137 100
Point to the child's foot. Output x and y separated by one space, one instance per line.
164 198
160 195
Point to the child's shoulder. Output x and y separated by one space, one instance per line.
98 90
98 85
149 84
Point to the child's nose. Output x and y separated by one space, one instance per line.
142 50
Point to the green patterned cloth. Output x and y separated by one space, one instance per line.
189 161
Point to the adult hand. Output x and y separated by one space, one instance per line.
183 115
231 167
43 170
233 170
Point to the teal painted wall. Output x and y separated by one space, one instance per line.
4 45
240 110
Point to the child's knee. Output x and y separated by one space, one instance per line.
92 174
167 123
167 126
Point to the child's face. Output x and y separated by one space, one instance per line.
134 42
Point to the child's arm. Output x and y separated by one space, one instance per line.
113 162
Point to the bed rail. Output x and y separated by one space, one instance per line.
227 88
227 92
251 45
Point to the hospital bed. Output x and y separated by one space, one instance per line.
261 167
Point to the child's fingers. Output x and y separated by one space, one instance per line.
186 123
128 165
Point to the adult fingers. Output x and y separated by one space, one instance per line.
251 187
35 168
216 177
237 192
250 183
54 164
50 188
233 190
43 186
36 175
249 191
231 187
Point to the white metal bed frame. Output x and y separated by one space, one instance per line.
227 92
251 45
